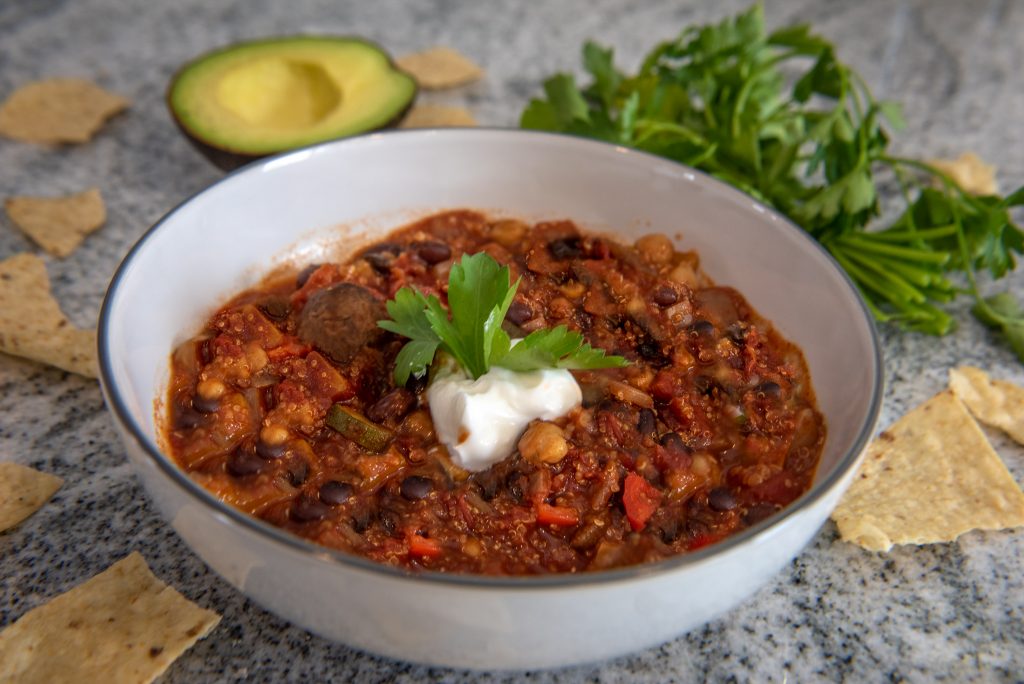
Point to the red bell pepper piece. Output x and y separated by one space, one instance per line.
640 499
424 547
557 515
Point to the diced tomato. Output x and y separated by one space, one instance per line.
563 516
424 547
702 540
289 347
640 499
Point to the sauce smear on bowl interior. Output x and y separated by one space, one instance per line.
711 427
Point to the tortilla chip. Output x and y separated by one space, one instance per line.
32 324
439 68
435 116
23 491
929 478
993 402
970 172
59 110
58 224
123 625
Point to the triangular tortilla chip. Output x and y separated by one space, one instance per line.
22 492
32 324
122 626
993 402
435 116
58 224
439 68
58 110
970 172
929 478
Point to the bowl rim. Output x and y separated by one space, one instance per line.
316 552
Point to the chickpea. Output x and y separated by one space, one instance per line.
684 274
543 443
508 232
573 289
211 389
655 248
274 435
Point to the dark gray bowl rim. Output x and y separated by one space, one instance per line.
316 552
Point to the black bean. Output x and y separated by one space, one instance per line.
737 333
308 509
722 499
432 252
665 296
647 424
705 384
275 307
298 471
394 405
205 405
416 487
759 512
769 389
566 248
669 530
361 520
381 256
701 327
243 462
334 492
674 443
304 274
649 349
389 521
270 451
488 485
417 383
516 482
186 417
519 312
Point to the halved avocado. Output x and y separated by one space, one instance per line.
257 98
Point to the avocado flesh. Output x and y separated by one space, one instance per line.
268 96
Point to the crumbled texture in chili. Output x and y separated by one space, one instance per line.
711 428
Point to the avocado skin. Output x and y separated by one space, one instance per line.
227 159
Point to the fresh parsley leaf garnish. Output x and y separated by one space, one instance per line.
780 117
479 295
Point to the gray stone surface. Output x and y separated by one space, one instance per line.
951 612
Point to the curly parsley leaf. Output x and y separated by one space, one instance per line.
780 117
479 296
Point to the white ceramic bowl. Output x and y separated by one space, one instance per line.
228 236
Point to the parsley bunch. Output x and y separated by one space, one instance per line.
811 145
479 295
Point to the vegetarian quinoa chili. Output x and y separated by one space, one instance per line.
711 427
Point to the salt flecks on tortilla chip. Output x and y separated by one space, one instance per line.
439 68
32 324
58 110
929 478
23 491
58 224
435 116
122 626
993 402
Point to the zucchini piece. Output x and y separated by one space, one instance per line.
356 427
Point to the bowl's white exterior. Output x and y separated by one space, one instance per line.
228 236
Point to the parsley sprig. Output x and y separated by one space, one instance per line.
479 295
779 117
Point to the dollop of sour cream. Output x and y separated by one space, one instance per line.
480 421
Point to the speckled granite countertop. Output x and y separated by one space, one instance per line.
943 612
